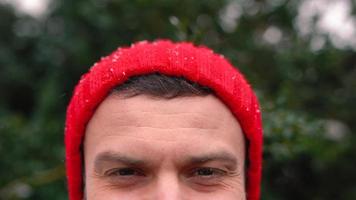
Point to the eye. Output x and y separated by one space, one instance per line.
125 177
124 172
205 172
203 178
208 172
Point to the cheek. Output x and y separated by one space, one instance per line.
224 196
230 189
96 190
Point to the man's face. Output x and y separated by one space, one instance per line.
149 148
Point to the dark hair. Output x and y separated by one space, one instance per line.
161 86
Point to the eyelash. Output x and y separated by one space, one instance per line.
212 172
196 172
118 171
200 177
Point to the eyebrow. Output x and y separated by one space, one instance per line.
228 158
114 157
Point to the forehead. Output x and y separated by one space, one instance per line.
205 112
195 123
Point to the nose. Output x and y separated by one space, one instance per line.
168 187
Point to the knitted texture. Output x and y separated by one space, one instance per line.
197 64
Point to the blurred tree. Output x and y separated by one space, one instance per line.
307 92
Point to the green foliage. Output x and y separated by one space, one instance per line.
307 96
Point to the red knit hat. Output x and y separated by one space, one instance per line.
198 64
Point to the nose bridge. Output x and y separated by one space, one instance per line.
168 187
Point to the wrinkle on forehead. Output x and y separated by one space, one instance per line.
181 112
152 119
179 120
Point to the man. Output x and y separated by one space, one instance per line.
163 120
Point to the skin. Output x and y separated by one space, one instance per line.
149 148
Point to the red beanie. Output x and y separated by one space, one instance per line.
198 64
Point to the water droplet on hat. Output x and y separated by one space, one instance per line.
124 73
86 100
115 57
221 56
142 42
258 111
112 69
234 77
185 58
176 53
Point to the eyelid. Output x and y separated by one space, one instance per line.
218 172
111 172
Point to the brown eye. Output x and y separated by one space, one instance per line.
125 177
208 172
206 178
124 172
205 172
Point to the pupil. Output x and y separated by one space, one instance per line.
126 172
205 172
